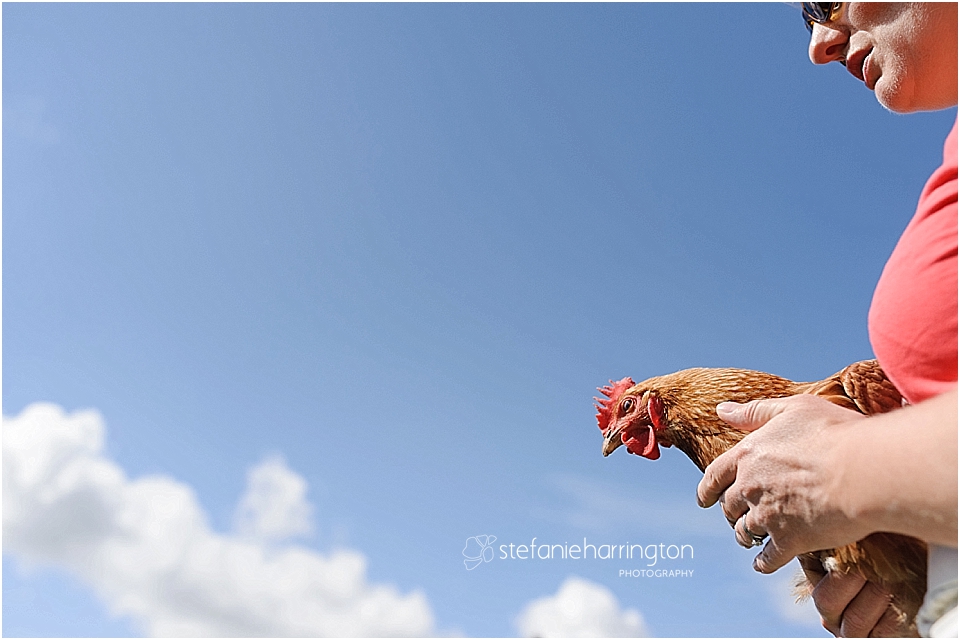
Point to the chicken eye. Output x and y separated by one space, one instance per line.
627 405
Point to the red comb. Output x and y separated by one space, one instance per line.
605 405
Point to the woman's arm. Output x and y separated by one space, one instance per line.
900 471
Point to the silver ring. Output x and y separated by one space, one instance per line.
755 540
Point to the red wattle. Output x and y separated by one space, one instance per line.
644 444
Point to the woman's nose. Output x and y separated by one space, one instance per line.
827 44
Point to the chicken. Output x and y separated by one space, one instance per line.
679 410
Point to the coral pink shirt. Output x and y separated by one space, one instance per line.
913 318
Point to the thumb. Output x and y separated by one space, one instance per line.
752 415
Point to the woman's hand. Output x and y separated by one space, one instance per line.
786 480
851 607
819 476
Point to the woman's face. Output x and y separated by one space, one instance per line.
906 53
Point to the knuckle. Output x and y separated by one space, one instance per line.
765 564
801 404
855 624
710 477
803 399
825 605
750 410
746 447
889 626
877 592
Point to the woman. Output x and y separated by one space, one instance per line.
818 476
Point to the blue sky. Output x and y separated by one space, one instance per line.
394 249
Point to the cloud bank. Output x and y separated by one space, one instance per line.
146 548
275 505
580 609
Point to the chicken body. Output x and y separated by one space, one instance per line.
679 409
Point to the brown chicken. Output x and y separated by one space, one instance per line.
679 410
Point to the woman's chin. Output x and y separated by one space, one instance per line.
892 100
899 97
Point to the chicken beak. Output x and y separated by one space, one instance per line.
612 441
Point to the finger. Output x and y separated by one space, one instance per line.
812 569
719 475
745 532
734 505
722 500
864 611
739 531
832 595
752 415
891 625
829 626
772 557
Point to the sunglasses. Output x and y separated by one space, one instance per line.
820 12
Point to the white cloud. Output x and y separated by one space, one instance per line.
275 505
146 548
580 609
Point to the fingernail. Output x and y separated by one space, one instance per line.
727 407
756 564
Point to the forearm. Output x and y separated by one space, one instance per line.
900 471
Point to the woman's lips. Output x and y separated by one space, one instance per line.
870 72
855 63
